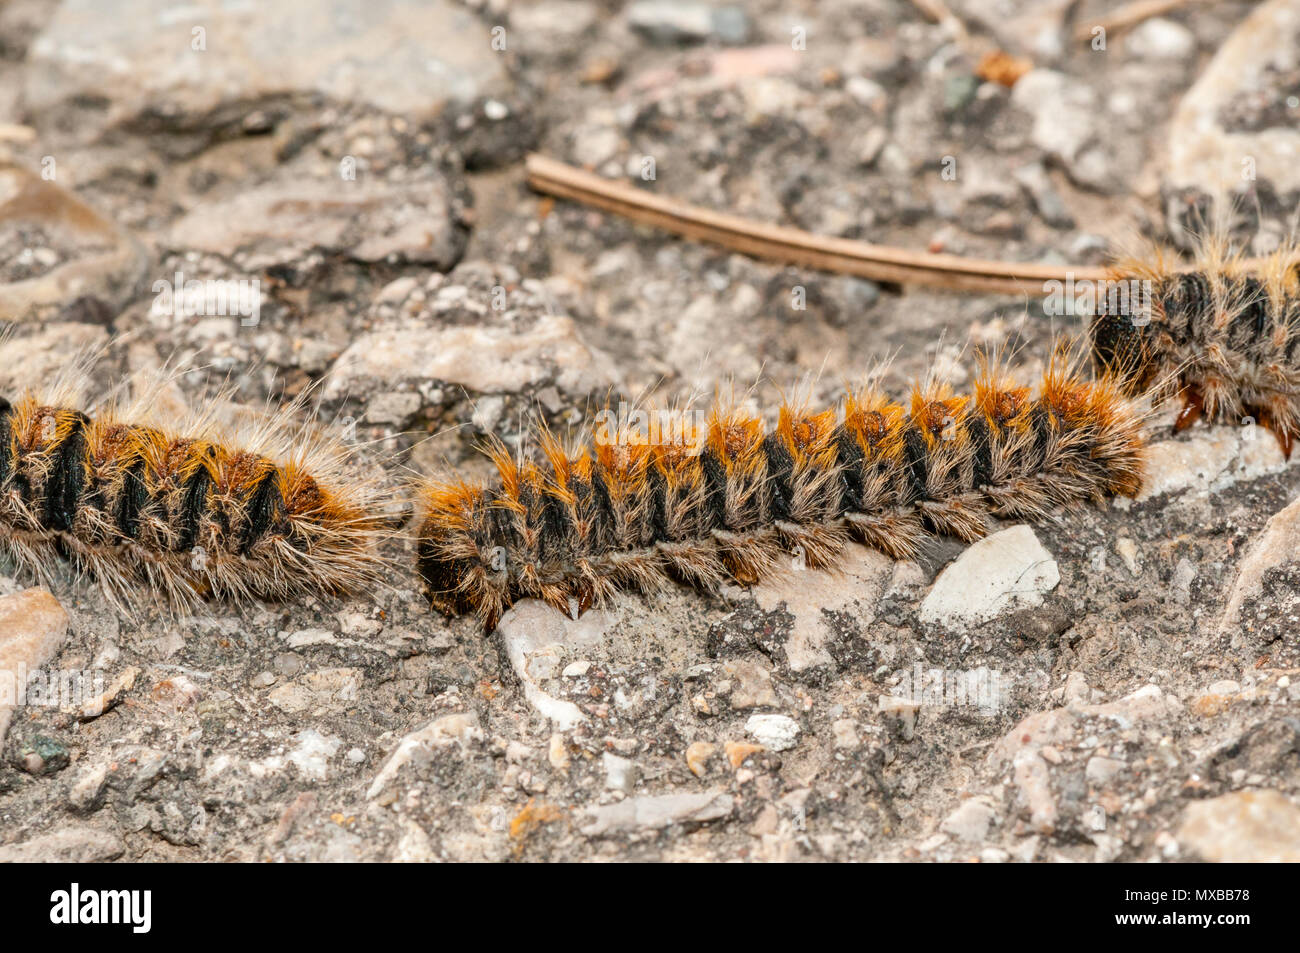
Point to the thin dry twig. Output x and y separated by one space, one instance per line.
1130 15
796 247
936 11
793 246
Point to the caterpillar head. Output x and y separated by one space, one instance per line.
461 573
1121 350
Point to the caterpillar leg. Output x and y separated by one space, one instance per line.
1284 431
1192 410
572 598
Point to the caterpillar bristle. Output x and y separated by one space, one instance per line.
1223 340
267 508
730 500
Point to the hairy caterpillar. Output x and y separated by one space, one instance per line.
1224 340
629 514
199 511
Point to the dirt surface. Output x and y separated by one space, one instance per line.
1132 693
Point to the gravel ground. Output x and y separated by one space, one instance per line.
1122 683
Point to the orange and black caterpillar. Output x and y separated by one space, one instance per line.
204 513
629 514
1223 339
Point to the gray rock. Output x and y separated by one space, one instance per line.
1061 725
395 408
33 627
320 691
1243 827
283 221
1215 140
462 339
753 684
1034 179
1037 28
71 845
1062 110
1065 125
984 185
685 21
1275 546
460 729
554 23
34 359
1101 770
97 270
808 594
87 792
391 55
651 812
970 822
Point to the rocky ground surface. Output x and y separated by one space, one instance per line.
1122 683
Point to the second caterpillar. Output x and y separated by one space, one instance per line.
734 503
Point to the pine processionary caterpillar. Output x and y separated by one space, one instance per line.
185 513
1225 341
575 526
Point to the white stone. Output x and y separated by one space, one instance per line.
313 753
305 637
867 92
1128 551
414 846
411 59
1177 465
67 845
1161 39
87 789
1226 686
1029 771
846 734
774 732
396 291
620 773
534 635
1007 570
969 822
